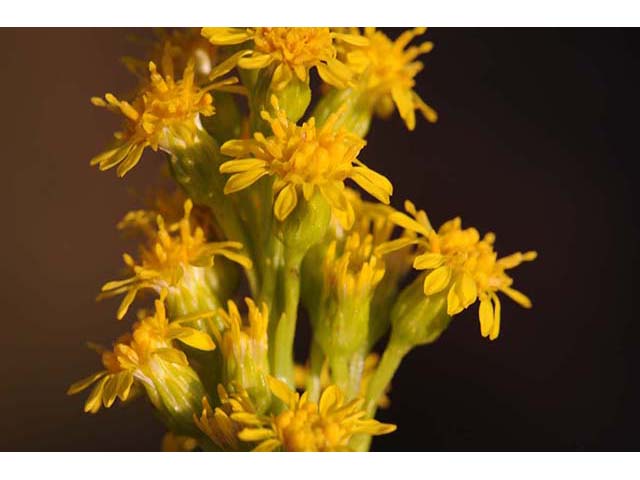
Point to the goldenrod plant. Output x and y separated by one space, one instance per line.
267 225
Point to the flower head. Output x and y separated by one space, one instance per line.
386 71
141 356
303 425
303 159
293 51
173 255
165 110
239 340
356 271
217 423
458 261
245 349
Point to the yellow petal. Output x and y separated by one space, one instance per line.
281 390
486 317
351 39
130 161
241 165
518 297
237 148
226 35
226 66
285 202
328 399
247 418
374 183
437 280
404 101
243 180
330 76
111 157
267 446
124 385
194 338
257 60
393 245
237 257
454 304
467 289
94 401
428 261
126 303
429 113
85 382
408 223
255 434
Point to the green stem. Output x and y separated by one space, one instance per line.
285 331
340 372
389 363
316 362
356 367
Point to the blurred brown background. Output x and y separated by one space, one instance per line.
535 141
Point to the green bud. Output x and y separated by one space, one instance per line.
342 329
417 319
294 98
358 113
193 294
175 390
245 349
305 226
195 165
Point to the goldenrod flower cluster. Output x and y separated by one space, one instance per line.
266 208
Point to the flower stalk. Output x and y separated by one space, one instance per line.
265 226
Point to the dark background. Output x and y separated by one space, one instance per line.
536 141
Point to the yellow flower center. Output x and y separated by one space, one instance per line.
304 430
294 45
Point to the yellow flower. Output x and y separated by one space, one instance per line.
374 219
136 356
175 254
301 376
356 272
293 51
386 72
165 111
245 350
303 159
217 423
459 262
307 426
239 341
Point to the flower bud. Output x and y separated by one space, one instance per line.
306 225
293 98
417 319
175 390
358 111
245 351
